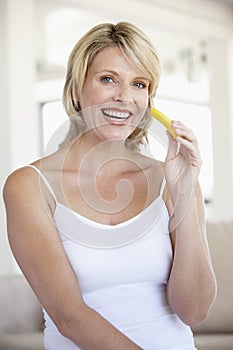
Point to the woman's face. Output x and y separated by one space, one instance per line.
114 97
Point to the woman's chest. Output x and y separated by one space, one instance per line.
109 200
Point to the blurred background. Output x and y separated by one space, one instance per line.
194 39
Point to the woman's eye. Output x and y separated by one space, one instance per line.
140 85
106 80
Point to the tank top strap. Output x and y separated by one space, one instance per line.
46 182
163 184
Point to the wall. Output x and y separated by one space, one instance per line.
19 128
5 257
221 92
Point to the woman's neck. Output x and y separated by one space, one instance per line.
112 156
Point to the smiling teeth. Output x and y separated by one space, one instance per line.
116 115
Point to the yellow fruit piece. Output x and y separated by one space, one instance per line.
164 120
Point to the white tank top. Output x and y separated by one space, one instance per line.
124 276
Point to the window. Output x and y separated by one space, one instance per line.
198 118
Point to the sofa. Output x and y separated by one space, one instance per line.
216 332
21 319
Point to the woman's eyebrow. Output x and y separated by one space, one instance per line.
143 78
110 71
107 71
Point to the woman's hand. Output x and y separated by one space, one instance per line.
183 161
182 167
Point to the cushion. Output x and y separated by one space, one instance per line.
220 318
19 308
214 341
23 341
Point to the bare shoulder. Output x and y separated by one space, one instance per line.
19 180
26 179
156 171
23 185
147 162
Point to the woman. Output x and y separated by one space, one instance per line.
89 224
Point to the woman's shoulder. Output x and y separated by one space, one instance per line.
19 180
24 182
24 177
148 162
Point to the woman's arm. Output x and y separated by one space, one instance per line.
191 286
37 248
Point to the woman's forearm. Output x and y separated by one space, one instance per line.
191 287
90 331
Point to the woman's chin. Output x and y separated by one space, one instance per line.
114 132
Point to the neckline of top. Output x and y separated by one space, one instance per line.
91 222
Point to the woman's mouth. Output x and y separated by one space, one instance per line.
116 116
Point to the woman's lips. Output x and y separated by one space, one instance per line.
119 117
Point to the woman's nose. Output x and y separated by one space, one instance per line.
123 93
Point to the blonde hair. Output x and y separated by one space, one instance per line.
136 45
